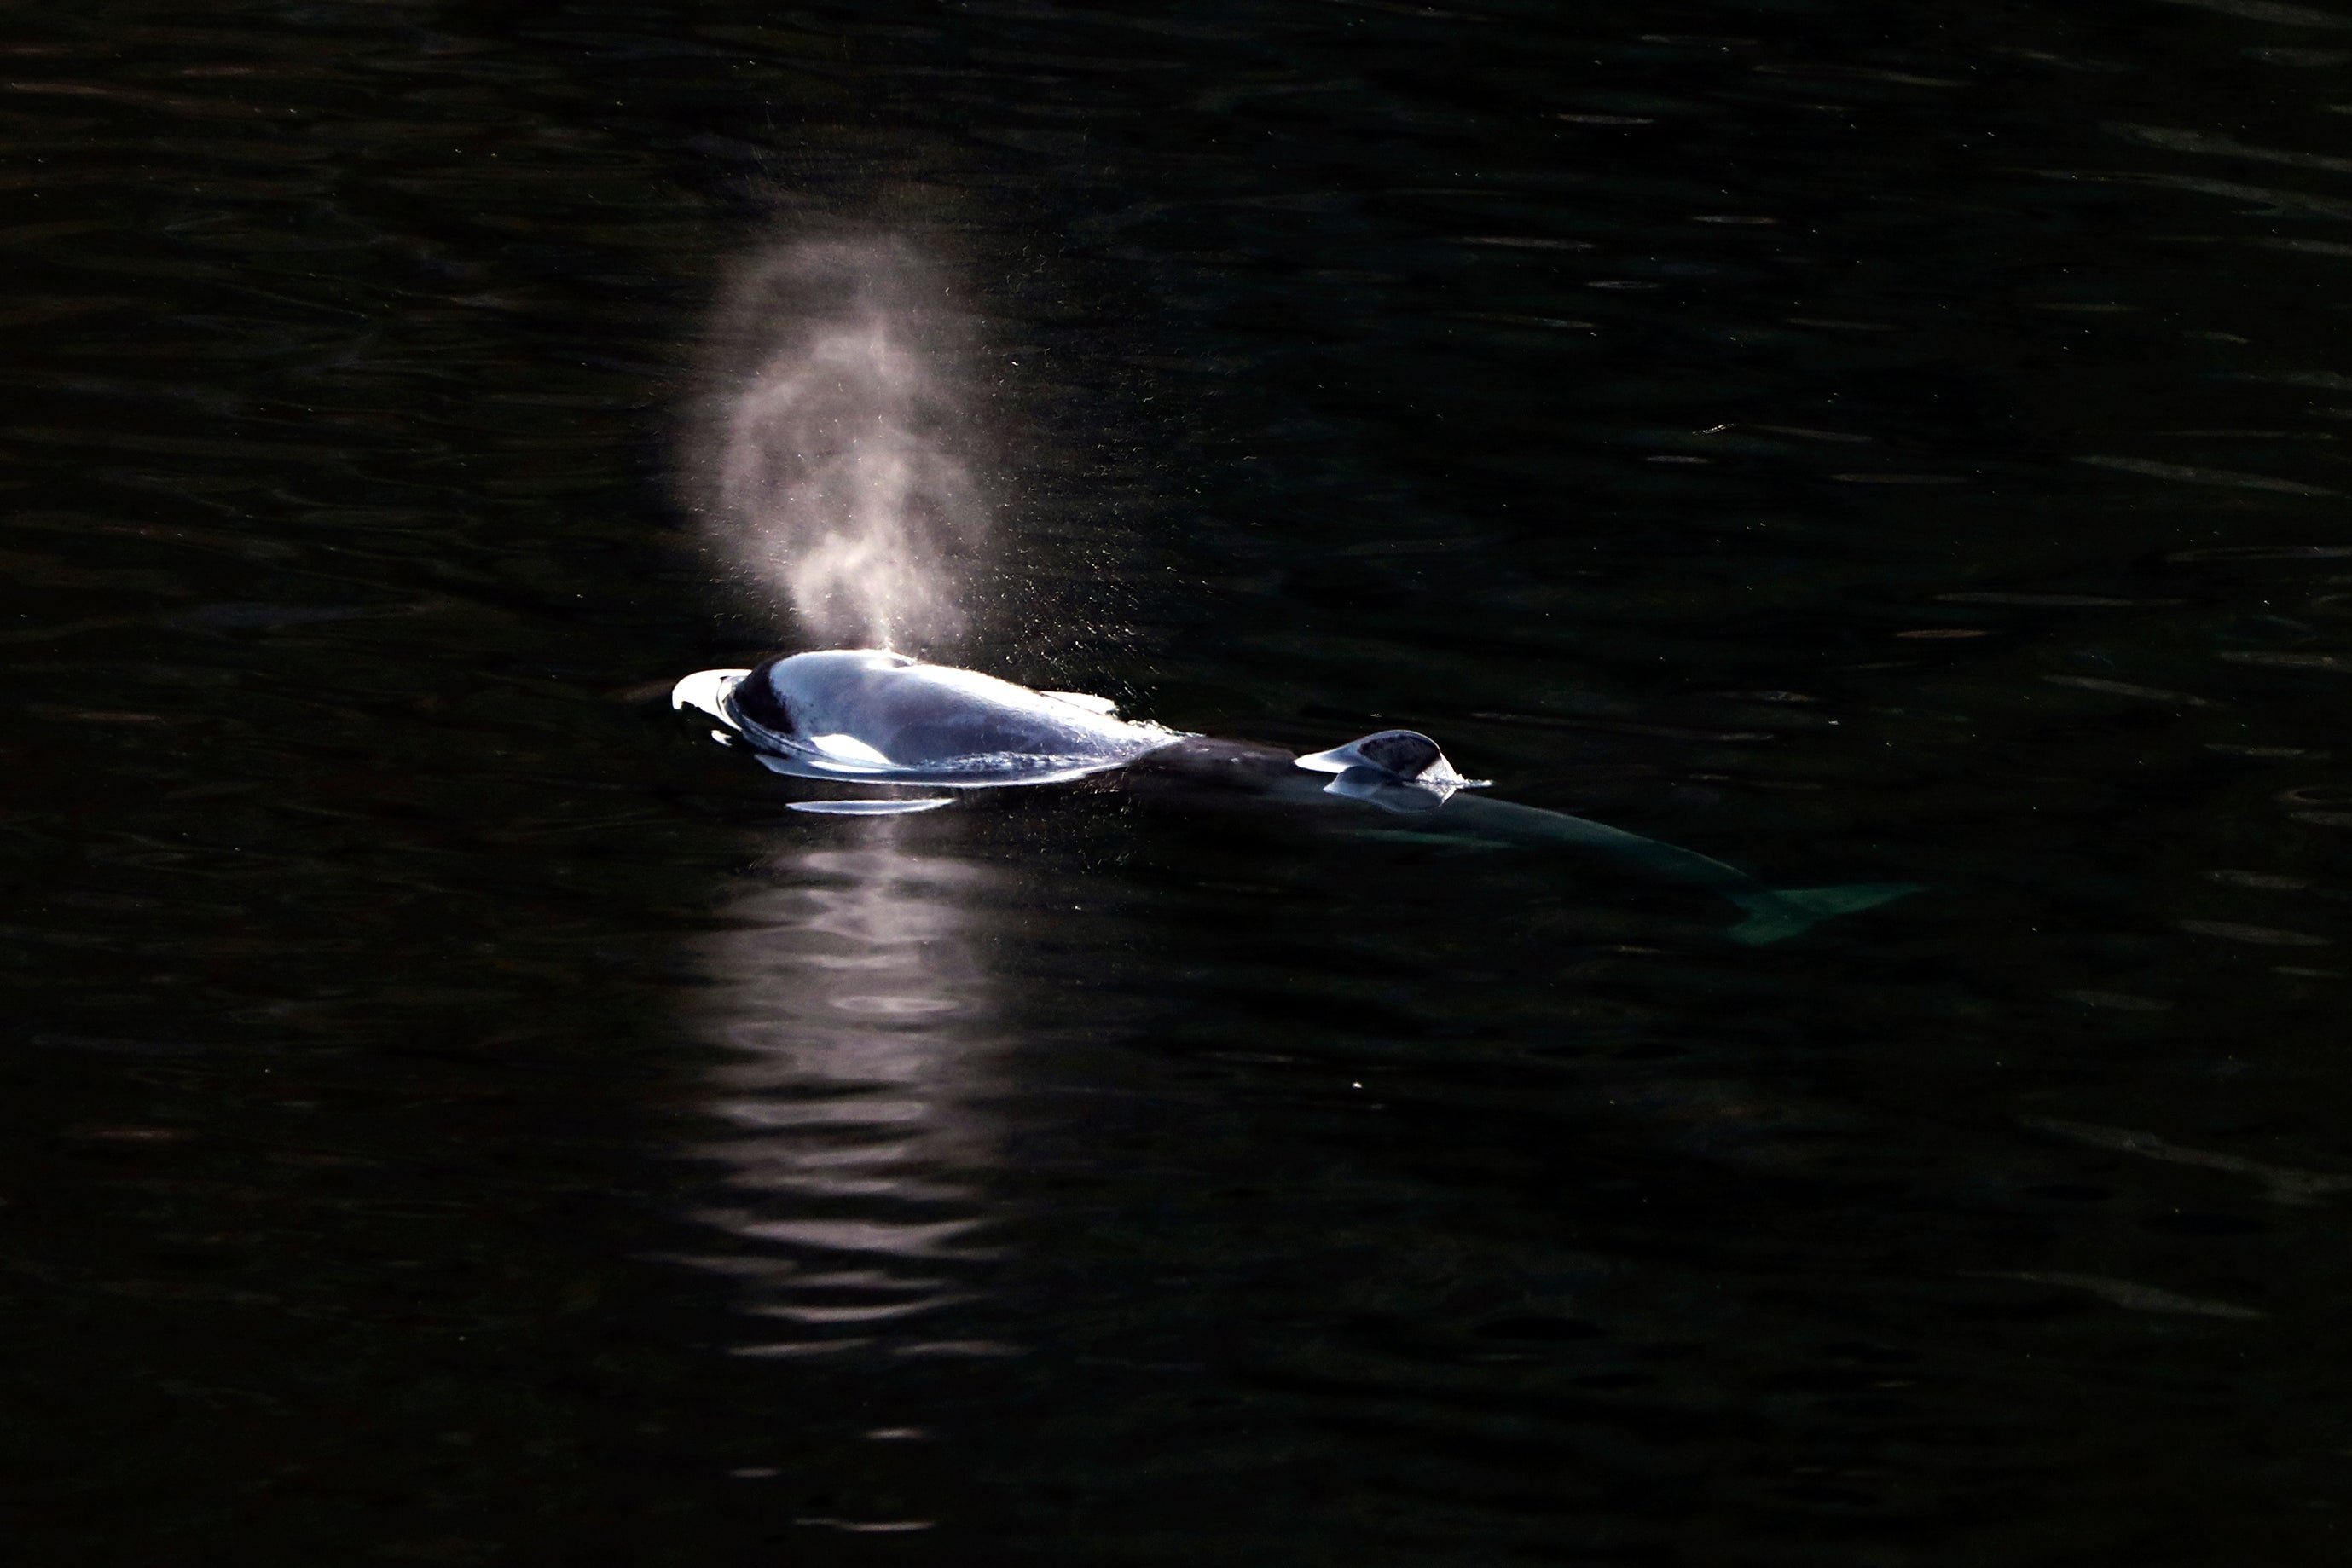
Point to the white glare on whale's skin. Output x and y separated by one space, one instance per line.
869 715
834 472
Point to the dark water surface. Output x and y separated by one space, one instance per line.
454 1115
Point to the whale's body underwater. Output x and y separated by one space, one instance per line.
868 717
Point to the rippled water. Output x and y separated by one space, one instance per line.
454 1115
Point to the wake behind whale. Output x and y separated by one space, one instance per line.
874 718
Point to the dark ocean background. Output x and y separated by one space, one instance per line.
452 1114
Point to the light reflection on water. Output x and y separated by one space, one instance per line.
850 991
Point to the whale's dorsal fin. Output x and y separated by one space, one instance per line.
1399 753
1404 754
1387 759
1092 703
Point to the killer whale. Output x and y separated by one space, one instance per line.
870 717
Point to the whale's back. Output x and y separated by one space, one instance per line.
868 714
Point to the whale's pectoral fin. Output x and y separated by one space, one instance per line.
1092 703
1776 915
868 808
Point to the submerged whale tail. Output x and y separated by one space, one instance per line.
1776 915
